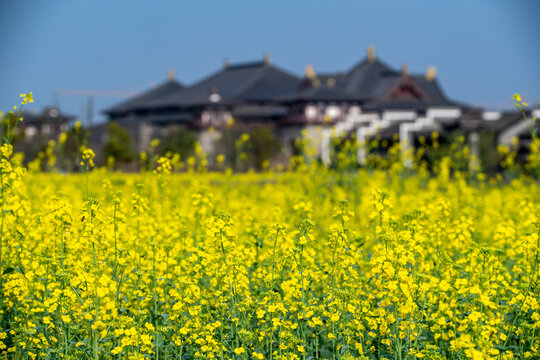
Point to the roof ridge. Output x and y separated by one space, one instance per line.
245 65
366 61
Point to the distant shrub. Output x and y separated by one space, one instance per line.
178 141
264 146
119 144
250 146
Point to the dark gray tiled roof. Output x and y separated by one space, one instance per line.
235 84
147 98
339 81
364 77
321 88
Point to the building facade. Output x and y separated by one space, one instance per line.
371 99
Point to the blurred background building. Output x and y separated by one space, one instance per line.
371 100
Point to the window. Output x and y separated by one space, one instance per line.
30 132
311 112
333 111
46 129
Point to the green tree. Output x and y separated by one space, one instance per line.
179 141
69 148
119 144
261 146
264 145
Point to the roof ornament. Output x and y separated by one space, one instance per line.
371 53
214 95
171 74
431 73
405 69
266 60
226 63
310 72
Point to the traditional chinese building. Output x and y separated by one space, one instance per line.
248 92
47 124
371 98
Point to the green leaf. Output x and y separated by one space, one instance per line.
8 270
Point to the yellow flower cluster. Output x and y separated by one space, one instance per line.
317 263
87 157
27 98
417 267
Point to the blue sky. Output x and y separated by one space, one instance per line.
484 50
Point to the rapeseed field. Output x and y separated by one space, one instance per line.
383 262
